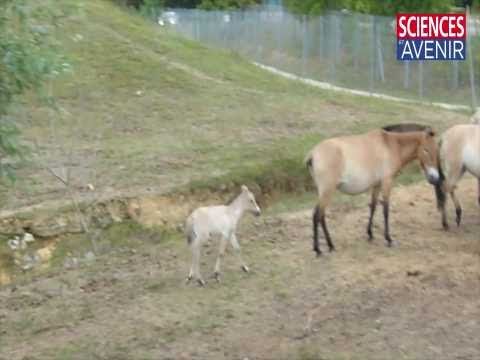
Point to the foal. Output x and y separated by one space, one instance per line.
459 152
221 220
358 163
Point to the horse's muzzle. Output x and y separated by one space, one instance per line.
433 176
258 213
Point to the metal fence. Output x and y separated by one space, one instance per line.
351 50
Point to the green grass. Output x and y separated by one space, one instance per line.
204 117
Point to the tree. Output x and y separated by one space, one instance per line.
28 56
375 7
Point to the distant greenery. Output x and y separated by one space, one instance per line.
28 57
189 4
376 7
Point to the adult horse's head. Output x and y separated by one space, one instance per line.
428 155
427 152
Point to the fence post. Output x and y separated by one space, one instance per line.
470 65
378 43
356 41
320 37
304 45
406 77
372 53
420 79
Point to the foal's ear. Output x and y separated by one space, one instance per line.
244 188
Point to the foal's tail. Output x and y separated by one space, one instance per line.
439 191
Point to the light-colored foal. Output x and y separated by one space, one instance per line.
217 220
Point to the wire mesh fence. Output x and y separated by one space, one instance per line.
350 50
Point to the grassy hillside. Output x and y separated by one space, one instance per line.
146 109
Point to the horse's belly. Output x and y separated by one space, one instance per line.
471 160
354 185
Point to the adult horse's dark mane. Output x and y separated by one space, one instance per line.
407 127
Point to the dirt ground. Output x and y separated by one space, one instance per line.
417 300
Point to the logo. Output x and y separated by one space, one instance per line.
431 36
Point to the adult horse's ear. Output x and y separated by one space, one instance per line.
244 188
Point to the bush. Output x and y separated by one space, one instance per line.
28 57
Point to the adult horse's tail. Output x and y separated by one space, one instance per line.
308 161
439 191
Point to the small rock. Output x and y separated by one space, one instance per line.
90 187
89 256
28 238
413 272
14 244
70 262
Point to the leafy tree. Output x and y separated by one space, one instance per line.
147 5
376 7
226 4
28 56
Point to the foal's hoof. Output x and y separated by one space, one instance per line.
445 226
332 249
245 268
318 253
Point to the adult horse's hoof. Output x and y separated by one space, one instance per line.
445 226
245 268
459 216
331 249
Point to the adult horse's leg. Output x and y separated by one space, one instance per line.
325 231
221 252
458 207
319 217
478 191
315 221
386 188
373 206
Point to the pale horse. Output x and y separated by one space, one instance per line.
217 220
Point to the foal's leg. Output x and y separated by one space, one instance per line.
196 262
373 206
236 247
386 188
221 252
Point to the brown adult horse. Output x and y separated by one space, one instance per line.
459 152
358 163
